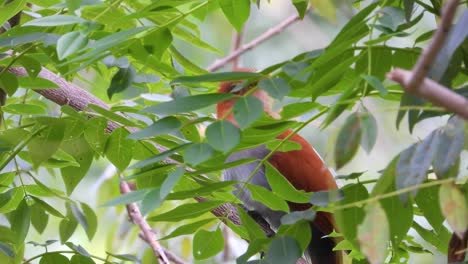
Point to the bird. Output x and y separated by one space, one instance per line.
303 168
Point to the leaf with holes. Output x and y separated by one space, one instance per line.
373 234
207 244
454 208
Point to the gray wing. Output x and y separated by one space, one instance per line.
242 173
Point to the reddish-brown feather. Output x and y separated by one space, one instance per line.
306 171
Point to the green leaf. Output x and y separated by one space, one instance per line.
30 64
24 109
323 198
217 77
39 218
44 144
301 7
10 9
187 104
348 219
53 258
454 208
348 140
7 250
254 231
20 221
151 201
164 37
112 116
428 202
450 144
119 148
326 9
276 87
186 211
91 220
373 234
207 244
36 83
399 226
247 110
122 80
82 152
236 11
9 82
80 259
296 216
198 153
369 130
283 250
282 187
51 210
300 230
267 198
10 200
376 83
414 162
127 198
391 17
286 146
171 181
95 134
166 125
67 226
55 20
222 135
188 229
158 157
408 4
70 43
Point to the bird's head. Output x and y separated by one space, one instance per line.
225 107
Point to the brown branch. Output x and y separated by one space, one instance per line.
236 44
257 41
433 92
78 98
430 53
415 81
137 218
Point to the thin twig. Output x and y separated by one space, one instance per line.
137 218
236 44
433 92
244 48
171 256
430 53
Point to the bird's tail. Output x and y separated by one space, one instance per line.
320 249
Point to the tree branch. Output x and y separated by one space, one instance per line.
236 44
430 53
257 41
415 81
78 98
433 92
137 218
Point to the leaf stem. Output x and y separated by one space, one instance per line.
67 252
391 194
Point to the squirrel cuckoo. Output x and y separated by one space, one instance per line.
303 168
